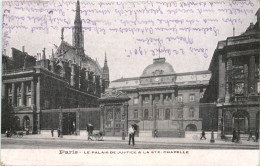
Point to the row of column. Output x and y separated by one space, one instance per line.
23 93
151 99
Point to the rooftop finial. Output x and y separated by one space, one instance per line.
43 54
159 52
62 31
52 54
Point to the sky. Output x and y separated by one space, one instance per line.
131 33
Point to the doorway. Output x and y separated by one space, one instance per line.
69 123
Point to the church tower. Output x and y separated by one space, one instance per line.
105 73
78 37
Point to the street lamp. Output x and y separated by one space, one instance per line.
155 117
123 126
60 122
212 115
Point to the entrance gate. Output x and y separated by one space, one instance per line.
114 113
69 123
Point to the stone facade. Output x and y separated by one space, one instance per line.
164 100
234 85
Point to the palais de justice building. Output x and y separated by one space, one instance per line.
164 100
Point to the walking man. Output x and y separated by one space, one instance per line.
131 132
89 130
52 132
234 135
250 135
203 135
155 133
58 130
256 136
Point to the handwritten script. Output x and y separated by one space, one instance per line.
155 27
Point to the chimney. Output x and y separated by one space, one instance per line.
43 54
23 48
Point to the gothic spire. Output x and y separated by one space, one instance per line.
77 29
77 18
105 63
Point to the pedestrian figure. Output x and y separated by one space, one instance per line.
250 135
234 135
52 132
89 130
131 132
203 135
155 133
256 136
58 130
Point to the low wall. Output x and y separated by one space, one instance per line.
170 133
196 135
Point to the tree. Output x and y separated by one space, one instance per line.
7 116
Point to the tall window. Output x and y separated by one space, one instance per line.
135 100
19 103
10 100
179 98
167 97
10 90
19 89
29 100
135 114
156 98
167 114
29 88
192 97
146 99
192 112
180 113
146 114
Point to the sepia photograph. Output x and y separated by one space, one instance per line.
123 82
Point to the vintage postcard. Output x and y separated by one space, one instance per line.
122 82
